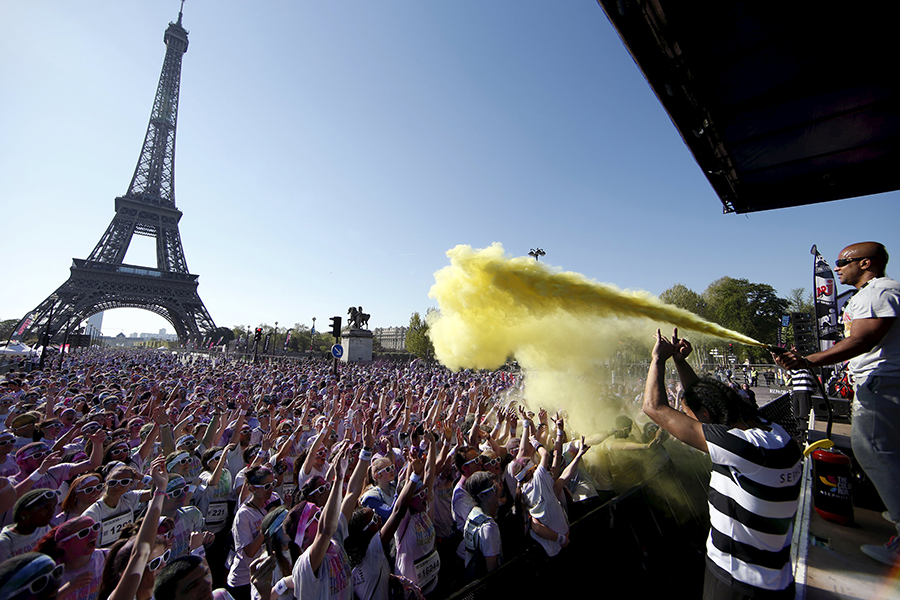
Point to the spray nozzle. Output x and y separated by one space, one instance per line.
776 349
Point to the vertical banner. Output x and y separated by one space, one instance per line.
266 345
826 302
287 339
23 326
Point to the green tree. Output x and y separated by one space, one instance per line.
684 297
417 341
799 301
753 309
223 332
6 328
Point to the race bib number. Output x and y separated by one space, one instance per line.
427 568
217 512
112 527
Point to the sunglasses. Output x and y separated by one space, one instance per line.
53 426
184 461
387 469
159 561
7 442
421 494
843 262
494 462
91 489
138 424
40 584
321 489
176 494
82 534
38 455
476 459
119 451
166 535
123 482
264 486
48 495
374 520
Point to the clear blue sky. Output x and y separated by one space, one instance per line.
330 153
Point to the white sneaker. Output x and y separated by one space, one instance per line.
888 554
886 515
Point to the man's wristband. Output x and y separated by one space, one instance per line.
365 455
415 478
36 476
560 539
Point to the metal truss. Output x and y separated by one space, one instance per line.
103 281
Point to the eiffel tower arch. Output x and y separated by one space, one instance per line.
103 281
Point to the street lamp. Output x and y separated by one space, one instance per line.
312 334
275 340
537 253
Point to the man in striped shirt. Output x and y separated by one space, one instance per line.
802 388
755 483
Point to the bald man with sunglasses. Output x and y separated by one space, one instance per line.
872 345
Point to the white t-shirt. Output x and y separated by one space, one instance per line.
246 527
53 479
113 520
213 501
188 520
8 467
332 582
880 297
544 506
14 544
461 505
371 576
95 568
417 558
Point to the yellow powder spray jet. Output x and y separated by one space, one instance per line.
563 329
484 293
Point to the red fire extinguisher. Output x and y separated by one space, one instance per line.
831 489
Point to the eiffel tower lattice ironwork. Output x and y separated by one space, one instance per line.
103 281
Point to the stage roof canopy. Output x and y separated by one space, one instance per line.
781 103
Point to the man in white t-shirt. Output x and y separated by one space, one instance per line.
872 345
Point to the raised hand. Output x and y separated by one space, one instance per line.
683 347
50 461
664 349
159 474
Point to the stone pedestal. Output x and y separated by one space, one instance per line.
357 345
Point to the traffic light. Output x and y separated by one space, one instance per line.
335 326
258 335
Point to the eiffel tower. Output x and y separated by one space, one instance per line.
103 281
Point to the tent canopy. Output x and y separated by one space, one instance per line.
16 349
781 103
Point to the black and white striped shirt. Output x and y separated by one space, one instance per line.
753 496
802 381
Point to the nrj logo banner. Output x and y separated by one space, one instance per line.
826 301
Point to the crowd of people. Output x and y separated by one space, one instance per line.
124 472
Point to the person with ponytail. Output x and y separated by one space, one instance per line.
83 492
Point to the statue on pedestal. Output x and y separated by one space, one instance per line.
358 319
